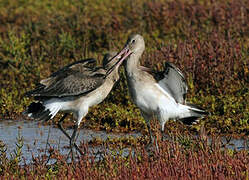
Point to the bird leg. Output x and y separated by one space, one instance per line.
73 139
151 136
162 135
61 127
149 128
147 118
68 136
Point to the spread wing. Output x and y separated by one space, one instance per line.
173 81
74 79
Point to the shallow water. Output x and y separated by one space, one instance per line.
35 138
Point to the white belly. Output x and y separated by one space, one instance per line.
79 105
152 99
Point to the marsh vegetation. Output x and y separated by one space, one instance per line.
208 40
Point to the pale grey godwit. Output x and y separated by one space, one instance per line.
162 96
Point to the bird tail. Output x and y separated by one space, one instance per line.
193 114
36 110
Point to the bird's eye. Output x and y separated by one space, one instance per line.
133 41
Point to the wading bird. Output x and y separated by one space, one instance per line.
74 88
161 96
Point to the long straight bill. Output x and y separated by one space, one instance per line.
125 52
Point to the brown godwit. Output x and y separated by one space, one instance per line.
74 88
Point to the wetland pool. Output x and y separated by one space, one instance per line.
37 137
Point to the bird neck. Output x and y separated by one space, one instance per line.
114 75
132 64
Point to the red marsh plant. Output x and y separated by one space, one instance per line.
181 157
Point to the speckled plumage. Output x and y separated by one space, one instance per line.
72 80
74 88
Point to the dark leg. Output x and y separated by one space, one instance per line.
74 138
164 136
151 136
147 118
72 142
149 128
61 127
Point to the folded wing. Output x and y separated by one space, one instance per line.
75 79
